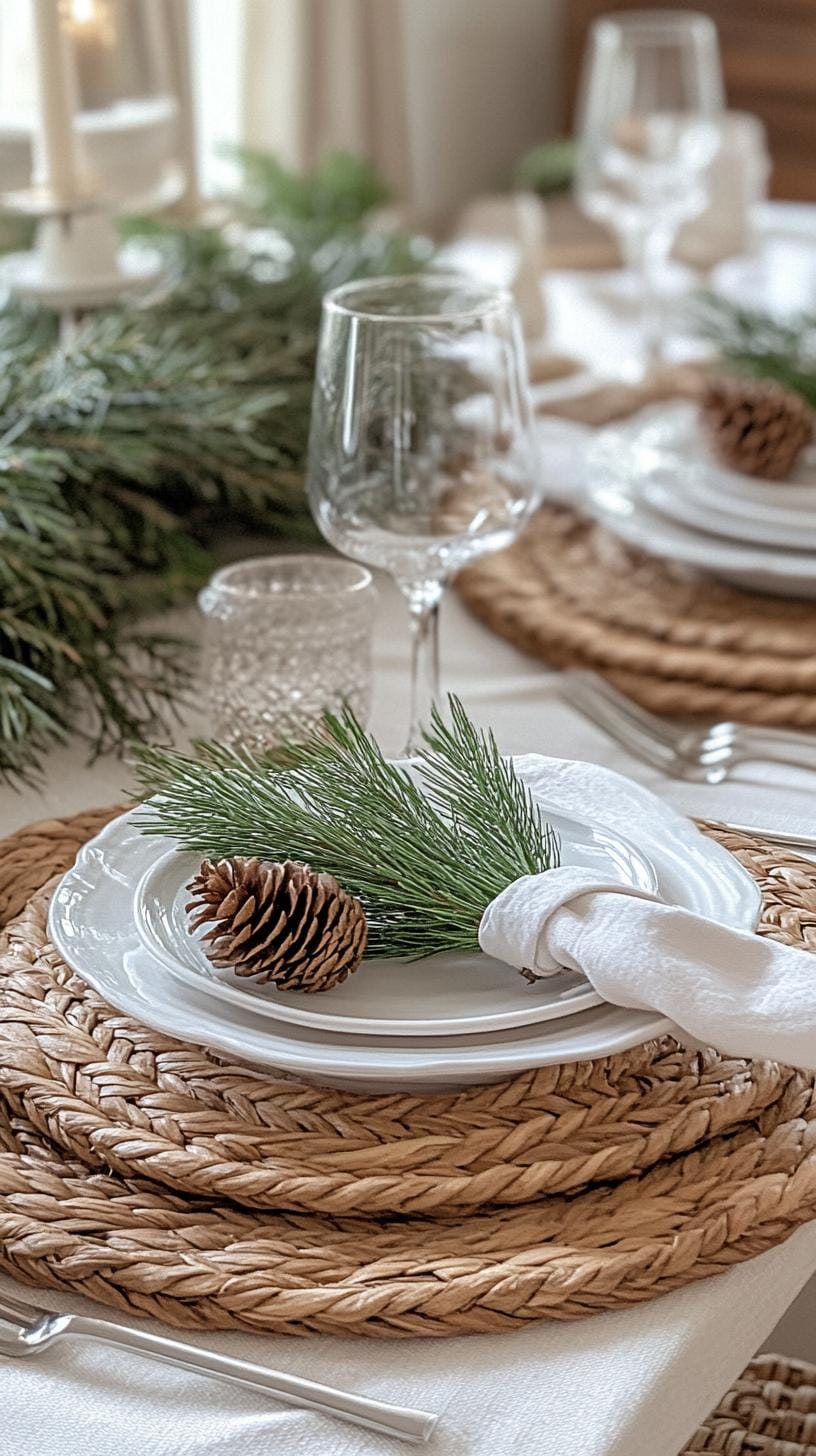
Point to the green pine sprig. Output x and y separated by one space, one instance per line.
124 456
752 341
426 854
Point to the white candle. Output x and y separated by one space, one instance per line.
91 33
56 155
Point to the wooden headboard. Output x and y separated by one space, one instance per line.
769 59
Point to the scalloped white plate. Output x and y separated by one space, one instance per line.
693 504
458 994
91 923
621 465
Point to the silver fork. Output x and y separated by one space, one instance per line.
34 1329
701 755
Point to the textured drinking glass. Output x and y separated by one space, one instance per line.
649 125
421 453
286 638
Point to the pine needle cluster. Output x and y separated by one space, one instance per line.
755 342
426 851
123 454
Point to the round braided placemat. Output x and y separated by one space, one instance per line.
201 1263
769 1411
108 1089
95 1102
573 594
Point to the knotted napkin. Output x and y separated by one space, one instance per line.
725 988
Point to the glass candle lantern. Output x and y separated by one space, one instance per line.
126 113
286 638
90 126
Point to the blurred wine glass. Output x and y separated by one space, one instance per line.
421 455
649 116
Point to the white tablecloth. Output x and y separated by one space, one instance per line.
630 1384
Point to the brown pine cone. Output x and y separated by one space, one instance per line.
756 426
278 922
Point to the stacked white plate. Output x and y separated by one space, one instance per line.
654 482
118 917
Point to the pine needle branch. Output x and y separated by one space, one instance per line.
425 854
458 758
755 342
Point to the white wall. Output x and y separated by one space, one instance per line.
483 85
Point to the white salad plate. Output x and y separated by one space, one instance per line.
673 432
665 494
741 496
92 925
686 483
459 994
625 463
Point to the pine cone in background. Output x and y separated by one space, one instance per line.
755 425
278 922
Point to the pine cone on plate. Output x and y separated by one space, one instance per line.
278 922
755 425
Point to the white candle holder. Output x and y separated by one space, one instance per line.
77 262
105 141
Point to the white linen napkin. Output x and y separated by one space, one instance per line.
731 989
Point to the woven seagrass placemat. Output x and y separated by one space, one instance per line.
769 1411
570 592
157 1178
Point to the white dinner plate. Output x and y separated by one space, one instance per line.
620 464
459 994
92 925
774 572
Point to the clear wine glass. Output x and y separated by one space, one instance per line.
422 455
649 116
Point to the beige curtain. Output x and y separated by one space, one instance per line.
326 74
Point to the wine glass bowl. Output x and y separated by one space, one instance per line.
422 455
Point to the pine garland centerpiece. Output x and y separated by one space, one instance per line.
124 449
425 850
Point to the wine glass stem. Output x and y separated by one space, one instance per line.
423 600
645 251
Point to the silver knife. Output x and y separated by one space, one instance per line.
776 836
